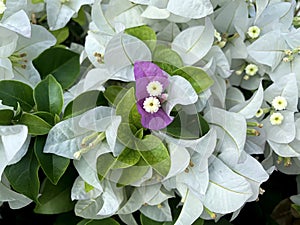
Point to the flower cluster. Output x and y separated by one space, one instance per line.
152 101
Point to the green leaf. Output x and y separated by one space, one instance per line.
81 18
188 126
145 34
198 78
13 92
46 116
140 133
126 135
127 158
107 221
114 94
56 199
127 109
36 125
23 176
66 218
155 154
62 63
61 34
169 68
167 59
88 187
133 174
6 116
54 166
135 117
48 95
147 221
198 222
84 102
105 163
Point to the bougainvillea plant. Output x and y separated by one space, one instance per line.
147 112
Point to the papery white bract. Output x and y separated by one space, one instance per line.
13 146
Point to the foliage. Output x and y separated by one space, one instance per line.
147 112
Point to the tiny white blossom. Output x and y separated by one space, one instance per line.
251 69
276 118
279 103
2 7
154 88
151 105
253 32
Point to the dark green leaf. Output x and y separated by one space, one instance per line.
198 222
61 34
84 102
295 210
67 218
220 222
13 92
46 116
198 78
23 176
6 116
62 63
147 221
107 221
56 199
114 94
188 126
36 125
145 34
81 18
48 95
54 166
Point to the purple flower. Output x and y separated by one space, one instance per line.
151 83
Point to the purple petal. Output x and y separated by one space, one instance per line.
144 73
155 121
146 69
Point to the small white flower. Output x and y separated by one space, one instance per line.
251 69
2 7
151 105
276 118
253 32
259 113
154 88
279 103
